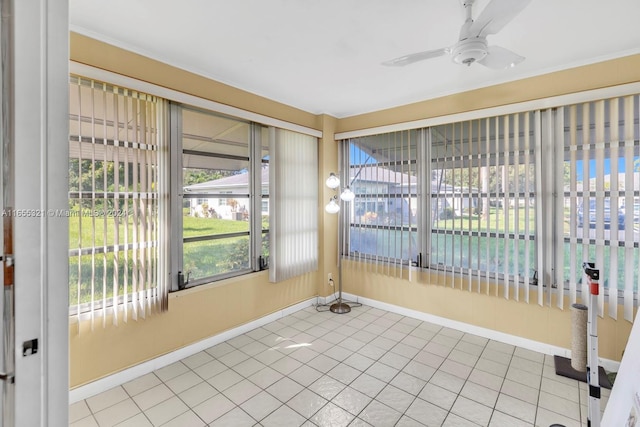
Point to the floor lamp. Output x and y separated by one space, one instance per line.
333 207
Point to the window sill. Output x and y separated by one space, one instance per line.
219 283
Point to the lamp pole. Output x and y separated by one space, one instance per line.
333 207
340 307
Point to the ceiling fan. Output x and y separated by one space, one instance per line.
472 44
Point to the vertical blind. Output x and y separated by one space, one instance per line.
293 208
117 194
483 205
381 171
601 188
507 205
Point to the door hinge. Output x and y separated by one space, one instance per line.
7 377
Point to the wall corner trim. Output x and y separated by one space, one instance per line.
540 347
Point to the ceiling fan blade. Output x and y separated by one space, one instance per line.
495 16
499 58
415 57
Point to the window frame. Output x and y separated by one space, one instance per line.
547 149
592 145
519 154
422 165
402 169
168 126
255 196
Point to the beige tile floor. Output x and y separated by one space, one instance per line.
369 367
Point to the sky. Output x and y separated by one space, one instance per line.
606 166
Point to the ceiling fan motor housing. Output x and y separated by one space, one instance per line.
470 50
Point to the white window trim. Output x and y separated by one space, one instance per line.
194 101
538 104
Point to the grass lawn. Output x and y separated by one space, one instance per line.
496 221
81 229
94 274
211 257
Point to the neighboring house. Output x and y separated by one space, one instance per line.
376 187
225 198
383 184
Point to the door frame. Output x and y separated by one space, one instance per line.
39 50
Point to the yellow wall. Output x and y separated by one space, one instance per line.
193 315
101 55
595 76
207 310
328 158
487 309
544 324
204 311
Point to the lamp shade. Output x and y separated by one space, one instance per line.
333 181
347 195
332 207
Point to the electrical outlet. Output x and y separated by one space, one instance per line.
330 277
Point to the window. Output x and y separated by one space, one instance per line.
225 164
600 187
381 170
482 194
522 199
470 184
142 169
116 194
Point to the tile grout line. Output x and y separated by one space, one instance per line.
391 330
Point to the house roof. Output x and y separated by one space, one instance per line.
375 174
381 174
234 181
365 173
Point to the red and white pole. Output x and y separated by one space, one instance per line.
593 277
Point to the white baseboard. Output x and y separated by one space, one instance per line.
96 387
540 347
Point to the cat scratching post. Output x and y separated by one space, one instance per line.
579 313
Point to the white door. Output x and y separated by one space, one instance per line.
34 37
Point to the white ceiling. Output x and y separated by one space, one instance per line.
325 56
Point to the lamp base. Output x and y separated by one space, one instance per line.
340 308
